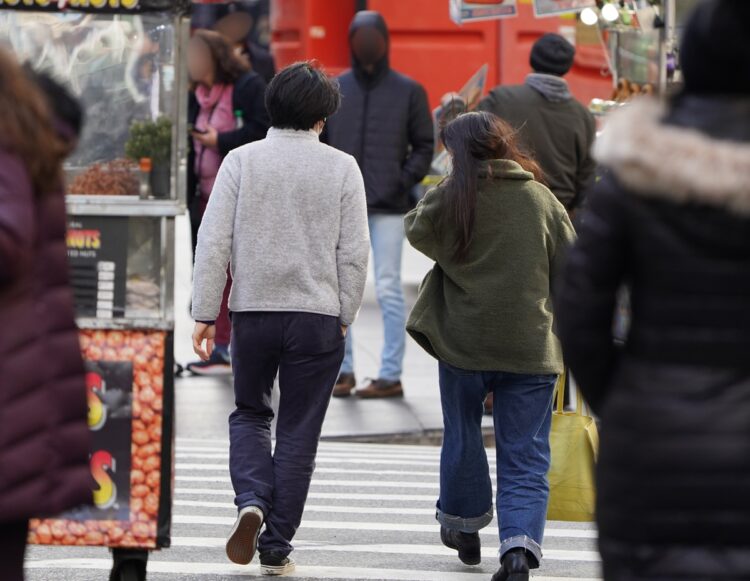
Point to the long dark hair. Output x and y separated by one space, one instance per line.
229 65
471 139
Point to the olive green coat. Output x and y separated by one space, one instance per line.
492 312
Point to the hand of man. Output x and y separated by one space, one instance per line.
344 330
204 332
208 139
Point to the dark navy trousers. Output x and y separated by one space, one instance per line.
306 350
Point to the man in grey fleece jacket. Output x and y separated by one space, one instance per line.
291 214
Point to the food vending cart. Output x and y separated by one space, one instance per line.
125 182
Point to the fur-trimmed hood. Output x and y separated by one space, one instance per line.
674 163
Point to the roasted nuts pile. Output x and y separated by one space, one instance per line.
146 351
114 178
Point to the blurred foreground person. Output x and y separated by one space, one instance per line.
226 110
552 125
386 124
485 312
291 214
672 222
44 434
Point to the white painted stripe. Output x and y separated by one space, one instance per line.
374 526
325 460
223 446
214 569
224 442
403 549
319 495
385 510
332 454
341 483
223 468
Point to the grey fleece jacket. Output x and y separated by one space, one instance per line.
291 213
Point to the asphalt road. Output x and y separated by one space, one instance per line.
370 515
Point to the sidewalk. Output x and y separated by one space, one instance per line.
204 403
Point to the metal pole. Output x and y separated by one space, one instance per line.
668 33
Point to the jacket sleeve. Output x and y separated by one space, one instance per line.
421 139
585 304
353 250
215 238
566 237
586 163
420 228
16 219
249 97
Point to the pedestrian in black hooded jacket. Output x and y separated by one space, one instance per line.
672 222
386 124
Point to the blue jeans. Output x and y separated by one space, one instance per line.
523 416
387 236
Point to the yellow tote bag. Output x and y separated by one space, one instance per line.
574 441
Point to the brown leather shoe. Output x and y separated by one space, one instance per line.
381 388
345 384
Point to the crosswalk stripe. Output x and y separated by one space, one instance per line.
225 468
341 483
488 553
333 454
214 569
392 510
372 526
318 495
325 460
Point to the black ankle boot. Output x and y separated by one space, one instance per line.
468 545
515 566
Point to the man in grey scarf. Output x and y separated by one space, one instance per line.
553 127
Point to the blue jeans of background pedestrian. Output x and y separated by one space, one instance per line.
523 416
306 351
387 239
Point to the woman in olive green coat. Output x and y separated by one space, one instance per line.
485 312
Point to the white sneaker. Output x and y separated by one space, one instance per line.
243 540
276 565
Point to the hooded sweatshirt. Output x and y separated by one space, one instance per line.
386 124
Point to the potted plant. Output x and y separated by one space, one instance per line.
153 140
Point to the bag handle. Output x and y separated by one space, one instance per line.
560 397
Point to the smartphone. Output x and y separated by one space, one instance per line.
192 129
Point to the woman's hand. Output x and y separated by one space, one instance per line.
204 332
208 139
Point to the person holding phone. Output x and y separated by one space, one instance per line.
226 111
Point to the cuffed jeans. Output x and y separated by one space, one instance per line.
523 415
306 350
387 239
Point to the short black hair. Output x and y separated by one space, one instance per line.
300 96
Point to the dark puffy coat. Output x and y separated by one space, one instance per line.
386 124
671 221
559 135
44 435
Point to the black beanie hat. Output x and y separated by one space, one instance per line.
715 53
552 55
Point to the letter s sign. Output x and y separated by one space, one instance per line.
102 463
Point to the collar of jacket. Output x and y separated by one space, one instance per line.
680 164
503 169
276 133
554 89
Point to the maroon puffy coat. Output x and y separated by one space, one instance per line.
44 436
